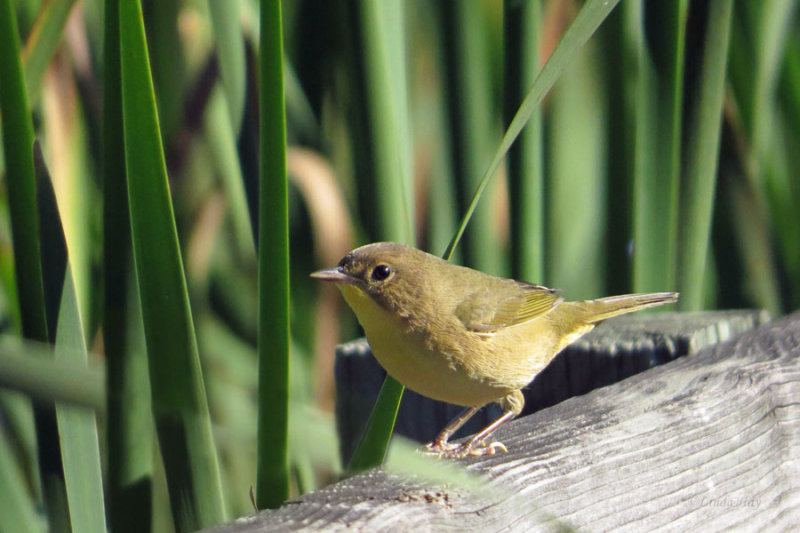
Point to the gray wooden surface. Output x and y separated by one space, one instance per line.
708 442
615 350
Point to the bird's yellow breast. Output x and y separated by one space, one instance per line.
406 356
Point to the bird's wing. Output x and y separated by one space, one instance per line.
492 308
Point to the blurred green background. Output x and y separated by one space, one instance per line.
660 160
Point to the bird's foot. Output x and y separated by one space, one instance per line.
450 450
489 449
439 447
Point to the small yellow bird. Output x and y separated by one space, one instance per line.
462 336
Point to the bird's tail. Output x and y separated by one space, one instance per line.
603 308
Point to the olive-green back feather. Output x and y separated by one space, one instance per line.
503 305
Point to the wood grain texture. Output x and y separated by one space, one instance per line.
707 442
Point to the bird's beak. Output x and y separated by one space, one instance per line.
333 274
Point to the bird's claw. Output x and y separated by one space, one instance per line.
491 449
460 450
439 447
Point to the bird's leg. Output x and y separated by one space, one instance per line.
492 447
512 404
440 444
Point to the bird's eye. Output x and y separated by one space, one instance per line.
381 272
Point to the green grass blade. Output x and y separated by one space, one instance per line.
522 30
272 476
658 144
167 62
774 148
42 42
29 367
583 27
382 34
790 98
230 53
20 181
179 403
576 195
780 170
77 427
772 23
757 40
702 152
471 128
16 410
18 151
381 27
129 424
17 506
222 143
442 220
372 447
750 221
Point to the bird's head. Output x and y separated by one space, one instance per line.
389 273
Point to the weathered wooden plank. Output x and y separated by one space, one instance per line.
707 442
617 349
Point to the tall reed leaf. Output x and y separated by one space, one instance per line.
179 402
225 19
372 448
18 151
576 189
17 512
77 427
468 74
20 181
272 477
383 45
659 100
702 149
522 31
129 424
593 13
42 43
222 140
29 367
